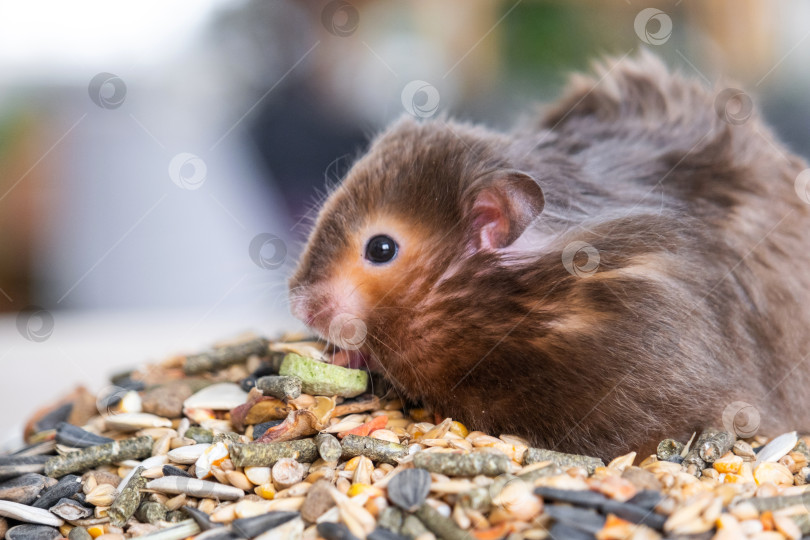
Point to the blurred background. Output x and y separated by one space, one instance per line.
158 160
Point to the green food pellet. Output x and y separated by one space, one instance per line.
322 379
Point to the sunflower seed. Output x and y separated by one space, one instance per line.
335 531
13 466
254 526
64 489
32 532
291 530
579 518
171 470
23 489
70 510
409 489
74 436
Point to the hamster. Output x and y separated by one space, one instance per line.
633 264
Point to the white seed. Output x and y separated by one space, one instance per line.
258 475
148 463
29 514
188 454
777 448
195 487
217 397
385 435
182 427
184 529
135 421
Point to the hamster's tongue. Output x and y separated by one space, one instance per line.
354 360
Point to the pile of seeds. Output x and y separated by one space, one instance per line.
261 439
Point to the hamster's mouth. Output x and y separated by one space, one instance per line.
353 359
349 359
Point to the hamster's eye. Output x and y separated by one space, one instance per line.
381 249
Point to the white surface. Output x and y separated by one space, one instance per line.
87 347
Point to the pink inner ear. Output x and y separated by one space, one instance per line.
490 221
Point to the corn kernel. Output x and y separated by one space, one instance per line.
265 491
728 464
352 463
459 429
357 488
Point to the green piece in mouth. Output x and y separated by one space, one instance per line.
322 379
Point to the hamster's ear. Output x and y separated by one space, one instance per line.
500 207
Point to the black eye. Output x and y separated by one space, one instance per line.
381 249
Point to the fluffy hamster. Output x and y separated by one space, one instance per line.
633 266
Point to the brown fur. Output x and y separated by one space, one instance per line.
700 298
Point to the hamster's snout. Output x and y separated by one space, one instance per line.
299 307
